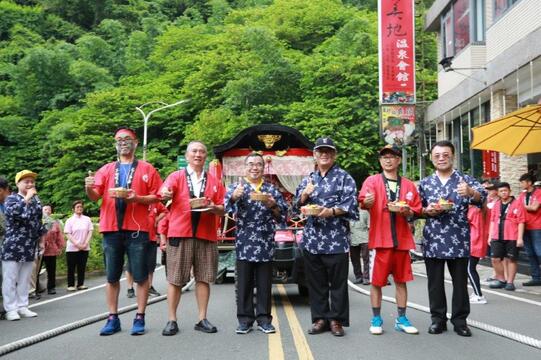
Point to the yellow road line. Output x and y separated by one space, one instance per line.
276 349
303 350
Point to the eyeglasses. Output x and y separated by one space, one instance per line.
124 141
256 165
384 158
441 156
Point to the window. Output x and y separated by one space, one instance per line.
501 6
462 23
461 15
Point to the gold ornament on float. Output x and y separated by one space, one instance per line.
269 140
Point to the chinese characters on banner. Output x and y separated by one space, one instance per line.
397 68
491 164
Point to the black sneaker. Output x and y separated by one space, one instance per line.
205 326
131 293
532 283
243 328
267 328
51 291
153 291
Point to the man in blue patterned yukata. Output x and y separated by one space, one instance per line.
325 240
446 237
254 243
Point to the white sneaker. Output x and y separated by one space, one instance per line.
25 313
477 300
12 316
376 325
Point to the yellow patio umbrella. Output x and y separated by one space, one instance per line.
516 133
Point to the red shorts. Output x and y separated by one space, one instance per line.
384 262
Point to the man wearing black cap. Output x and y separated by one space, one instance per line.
391 200
325 243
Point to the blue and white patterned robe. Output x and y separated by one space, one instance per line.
254 239
336 189
23 229
447 236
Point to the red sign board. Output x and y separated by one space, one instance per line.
491 164
396 51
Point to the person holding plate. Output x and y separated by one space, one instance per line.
446 236
197 202
325 241
391 200
259 208
126 187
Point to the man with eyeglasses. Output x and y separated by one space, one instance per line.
191 235
446 236
325 240
124 223
390 238
254 243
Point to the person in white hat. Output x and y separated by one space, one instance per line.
24 230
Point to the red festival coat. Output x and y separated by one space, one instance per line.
514 216
478 237
180 219
146 181
380 235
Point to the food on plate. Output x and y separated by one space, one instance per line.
198 203
311 210
443 204
397 206
119 192
259 196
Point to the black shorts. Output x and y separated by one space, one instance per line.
504 249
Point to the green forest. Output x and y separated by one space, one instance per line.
72 71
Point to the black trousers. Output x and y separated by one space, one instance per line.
327 277
50 266
356 253
76 261
250 275
458 268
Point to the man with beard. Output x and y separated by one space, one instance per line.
325 239
126 186
254 243
446 236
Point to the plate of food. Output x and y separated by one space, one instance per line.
203 209
259 196
311 210
444 204
119 192
199 203
397 206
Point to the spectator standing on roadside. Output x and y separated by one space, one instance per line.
478 250
4 193
506 237
530 199
21 244
54 244
78 230
359 248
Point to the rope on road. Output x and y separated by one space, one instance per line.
523 339
31 340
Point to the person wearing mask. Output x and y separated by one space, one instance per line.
254 243
530 200
390 237
506 237
446 236
22 242
54 244
78 230
325 240
126 187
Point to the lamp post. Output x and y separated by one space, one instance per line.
146 117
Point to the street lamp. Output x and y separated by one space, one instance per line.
146 117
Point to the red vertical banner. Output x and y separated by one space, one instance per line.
396 51
491 164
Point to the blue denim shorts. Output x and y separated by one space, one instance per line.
132 243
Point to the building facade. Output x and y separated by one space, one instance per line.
490 65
